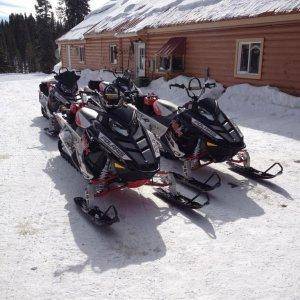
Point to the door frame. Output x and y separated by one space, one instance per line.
69 60
139 72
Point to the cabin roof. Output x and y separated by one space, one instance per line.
130 16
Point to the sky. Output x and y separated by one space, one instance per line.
27 6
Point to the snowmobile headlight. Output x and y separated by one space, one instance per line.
119 166
209 144
155 143
205 129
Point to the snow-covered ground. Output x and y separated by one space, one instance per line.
245 244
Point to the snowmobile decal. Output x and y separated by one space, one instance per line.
114 148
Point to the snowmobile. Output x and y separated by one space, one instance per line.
113 151
198 133
57 95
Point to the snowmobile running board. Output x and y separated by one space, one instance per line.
255 174
180 200
97 216
198 185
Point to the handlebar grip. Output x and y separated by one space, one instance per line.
180 86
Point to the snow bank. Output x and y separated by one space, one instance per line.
178 96
259 95
57 67
237 95
87 75
135 15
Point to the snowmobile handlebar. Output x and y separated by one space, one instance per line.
180 86
191 88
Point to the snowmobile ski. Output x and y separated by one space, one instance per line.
254 173
97 216
198 185
180 200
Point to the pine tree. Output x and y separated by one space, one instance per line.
76 10
4 67
45 35
61 11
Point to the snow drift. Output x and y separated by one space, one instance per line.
237 94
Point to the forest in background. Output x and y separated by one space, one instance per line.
27 43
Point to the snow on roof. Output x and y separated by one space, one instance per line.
133 15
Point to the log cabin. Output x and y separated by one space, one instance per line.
232 41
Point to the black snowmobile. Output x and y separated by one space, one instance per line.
113 151
57 95
198 133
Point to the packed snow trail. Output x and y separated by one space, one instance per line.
245 244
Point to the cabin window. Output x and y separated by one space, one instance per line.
170 57
113 52
170 64
81 53
249 58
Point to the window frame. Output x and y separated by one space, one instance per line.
81 54
112 46
170 70
239 43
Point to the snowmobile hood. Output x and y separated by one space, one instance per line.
124 132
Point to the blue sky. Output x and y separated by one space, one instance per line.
27 6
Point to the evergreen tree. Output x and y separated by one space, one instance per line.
76 10
61 11
4 67
45 35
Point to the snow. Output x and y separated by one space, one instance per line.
135 15
244 245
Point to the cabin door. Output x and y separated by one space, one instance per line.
69 62
140 59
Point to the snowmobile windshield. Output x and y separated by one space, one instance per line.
123 121
208 108
68 79
118 128
124 84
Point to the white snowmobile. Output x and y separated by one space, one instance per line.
112 149
57 95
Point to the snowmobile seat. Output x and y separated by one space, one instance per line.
89 114
164 107
167 120
85 117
